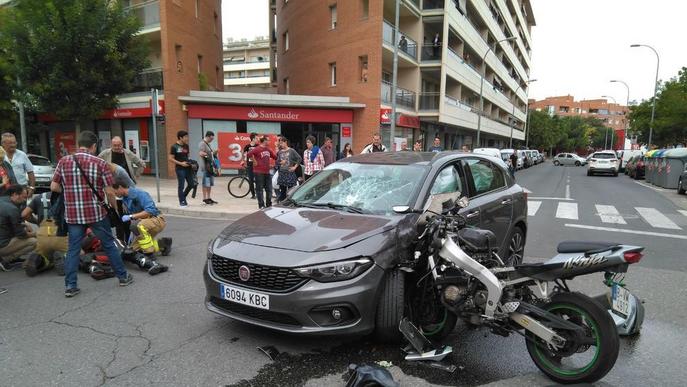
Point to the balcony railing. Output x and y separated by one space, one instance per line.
431 52
147 12
407 45
405 98
148 79
456 102
429 101
433 4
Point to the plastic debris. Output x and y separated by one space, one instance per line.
269 351
367 375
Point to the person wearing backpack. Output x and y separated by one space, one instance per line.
207 166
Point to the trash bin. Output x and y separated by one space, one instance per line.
660 175
649 166
675 159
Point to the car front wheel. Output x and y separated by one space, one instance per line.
556 163
390 307
577 163
516 247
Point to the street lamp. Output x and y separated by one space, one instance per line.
609 113
653 104
627 104
481 86
527 107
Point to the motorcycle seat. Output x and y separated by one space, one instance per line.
540 271
584 247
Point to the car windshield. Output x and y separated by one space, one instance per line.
364 188
40 161
604 156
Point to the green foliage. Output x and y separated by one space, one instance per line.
670 123
73 57
8 116
567 133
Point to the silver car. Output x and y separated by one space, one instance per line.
604 162
568 159
43 169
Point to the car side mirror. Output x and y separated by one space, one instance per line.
401 209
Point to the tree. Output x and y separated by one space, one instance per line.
8 116
73 57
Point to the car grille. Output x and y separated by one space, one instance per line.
258 314
269 278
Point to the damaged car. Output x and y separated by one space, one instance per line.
325 261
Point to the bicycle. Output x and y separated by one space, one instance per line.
239 186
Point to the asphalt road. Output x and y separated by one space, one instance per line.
157 331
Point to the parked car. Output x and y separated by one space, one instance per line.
682 182
526 160
320 261
505 156
568 159
626 155
603 162
635 167
530 154
43 169
538 157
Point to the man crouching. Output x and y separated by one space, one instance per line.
146 223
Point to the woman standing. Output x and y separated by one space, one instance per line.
287 160
346 152
312 157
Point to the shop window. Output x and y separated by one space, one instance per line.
332 16
362 65
332 72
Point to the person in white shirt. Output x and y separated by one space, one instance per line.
21 165
375 146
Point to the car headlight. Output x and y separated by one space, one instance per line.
209 249
335 271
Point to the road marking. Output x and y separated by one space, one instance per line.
567 191
567 211
649 233
656 219
609 214
654 188
532 207
683 212
547 198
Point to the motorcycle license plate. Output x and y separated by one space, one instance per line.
620 300
245 297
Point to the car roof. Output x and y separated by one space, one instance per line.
410 158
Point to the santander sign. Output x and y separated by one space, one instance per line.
272 115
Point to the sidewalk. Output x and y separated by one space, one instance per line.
169 202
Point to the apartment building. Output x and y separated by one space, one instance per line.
247 66
613 115
448 51
185 39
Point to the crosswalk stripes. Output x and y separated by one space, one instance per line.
609 214
566 211
656 219
683 212
533 207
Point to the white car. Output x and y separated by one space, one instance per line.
603 162
569 159
505 155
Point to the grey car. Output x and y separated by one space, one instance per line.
568 159
43 169
319 262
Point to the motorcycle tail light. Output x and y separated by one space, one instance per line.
632 256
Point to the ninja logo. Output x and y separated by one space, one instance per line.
582 261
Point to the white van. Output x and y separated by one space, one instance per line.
493 152
625 155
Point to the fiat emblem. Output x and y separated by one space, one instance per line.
244 273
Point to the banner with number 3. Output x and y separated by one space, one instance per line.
231 145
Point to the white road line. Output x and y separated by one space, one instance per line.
532 207
609 214
683 212
649 233
652 187
656 219
567 191
526 190
546 198
567 211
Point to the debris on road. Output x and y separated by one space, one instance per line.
366 375
269 351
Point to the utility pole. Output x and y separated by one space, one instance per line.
155 110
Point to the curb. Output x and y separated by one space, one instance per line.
202 214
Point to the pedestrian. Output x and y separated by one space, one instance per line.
436 44
178 155
436 146
287 160
346 152
328 151
465 149
375 146
6 173
51 237
513 162
261 169
123 157
16 237
85 181
247 162
312 158
121 177
207 166
21 165
417 147
403 43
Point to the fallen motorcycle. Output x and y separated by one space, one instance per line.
456 273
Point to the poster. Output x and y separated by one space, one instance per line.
65 143
145 151
400 143
230 147
131 142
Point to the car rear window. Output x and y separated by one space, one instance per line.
603 156
40 161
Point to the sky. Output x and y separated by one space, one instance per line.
577 46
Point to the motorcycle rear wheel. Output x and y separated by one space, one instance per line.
577 362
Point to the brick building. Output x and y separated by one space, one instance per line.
613 115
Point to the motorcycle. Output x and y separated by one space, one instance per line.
456 273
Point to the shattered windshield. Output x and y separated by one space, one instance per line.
363 188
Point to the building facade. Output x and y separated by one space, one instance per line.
345 48
613 115
247 66
185 39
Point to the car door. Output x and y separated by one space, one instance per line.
569 159
490 199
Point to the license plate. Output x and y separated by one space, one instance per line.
620 298
245 297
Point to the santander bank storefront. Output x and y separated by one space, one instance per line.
233 116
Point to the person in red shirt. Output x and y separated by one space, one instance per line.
261 168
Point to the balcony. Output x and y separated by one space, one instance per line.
432 4
429 101
457 103
148 79
431 53
409 46
148 12
404 98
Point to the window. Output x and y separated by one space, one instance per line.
177 53
364 8
447 181
200 64
197 8
286 85
332 15
362 66
332 71
485 176
285 36
214 25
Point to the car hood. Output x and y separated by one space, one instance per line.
306 229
